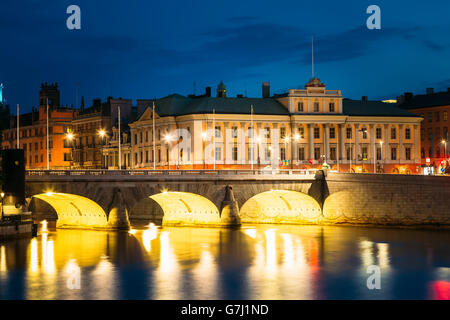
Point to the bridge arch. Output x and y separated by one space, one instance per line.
185 208
74 210
281 206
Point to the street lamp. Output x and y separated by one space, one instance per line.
203 148
102 134
258 140
168 139
69 137
2 195
445 148
381 153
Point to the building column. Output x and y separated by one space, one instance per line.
326 141
341 142
373 150
400 143
311 140
243 135
386 145
417 158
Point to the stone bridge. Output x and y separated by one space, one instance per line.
91 198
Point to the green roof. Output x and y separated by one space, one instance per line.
373 108
177 105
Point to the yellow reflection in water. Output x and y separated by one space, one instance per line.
205 275
366 249
250 232
104 280
3 266
271 253
34 256
148 235
168 273
383 255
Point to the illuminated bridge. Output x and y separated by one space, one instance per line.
102 198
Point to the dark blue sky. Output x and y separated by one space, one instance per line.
149 48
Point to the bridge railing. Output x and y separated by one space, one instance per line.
105 172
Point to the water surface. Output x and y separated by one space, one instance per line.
255 262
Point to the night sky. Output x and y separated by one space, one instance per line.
144 49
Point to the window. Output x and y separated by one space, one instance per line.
436 115
136 158
282 133
332 133
393 153
430 117
235 153
42 158
234 132
407 133
331 107
393 133
378 153
422 134
146 136
349 153
438 132
250 132
445 132
364 153
250 154
349 133
422 153
267 132
378 133
364 133
333 153
408 153
316 107
141 158
430 133
159 155
316 133
135 139
146 156
301 153
283 153
36 159
317 153
300 107
445 116
218 153
36 148
268 150
141 137
217 132
301 132
67 157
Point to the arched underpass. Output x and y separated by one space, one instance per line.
74 210
184 208
281 206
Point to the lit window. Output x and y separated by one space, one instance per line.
300 107
331 107
316 107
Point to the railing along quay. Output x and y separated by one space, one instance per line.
105 172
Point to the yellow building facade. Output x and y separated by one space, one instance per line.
301 129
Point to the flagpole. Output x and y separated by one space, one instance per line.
214 137
48 152
253 134
18 127
154 144
120 138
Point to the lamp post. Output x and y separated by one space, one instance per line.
69 137
203 148
286 140
102 134
2 195
258 141
168 139
381 153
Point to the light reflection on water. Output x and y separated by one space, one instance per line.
255 262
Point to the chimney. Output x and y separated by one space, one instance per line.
265 89
364 99
448 90
208 91
430 90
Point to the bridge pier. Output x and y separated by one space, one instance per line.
118 212
230 209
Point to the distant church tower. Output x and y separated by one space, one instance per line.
221 90
50 92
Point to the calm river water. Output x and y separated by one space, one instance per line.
255 262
